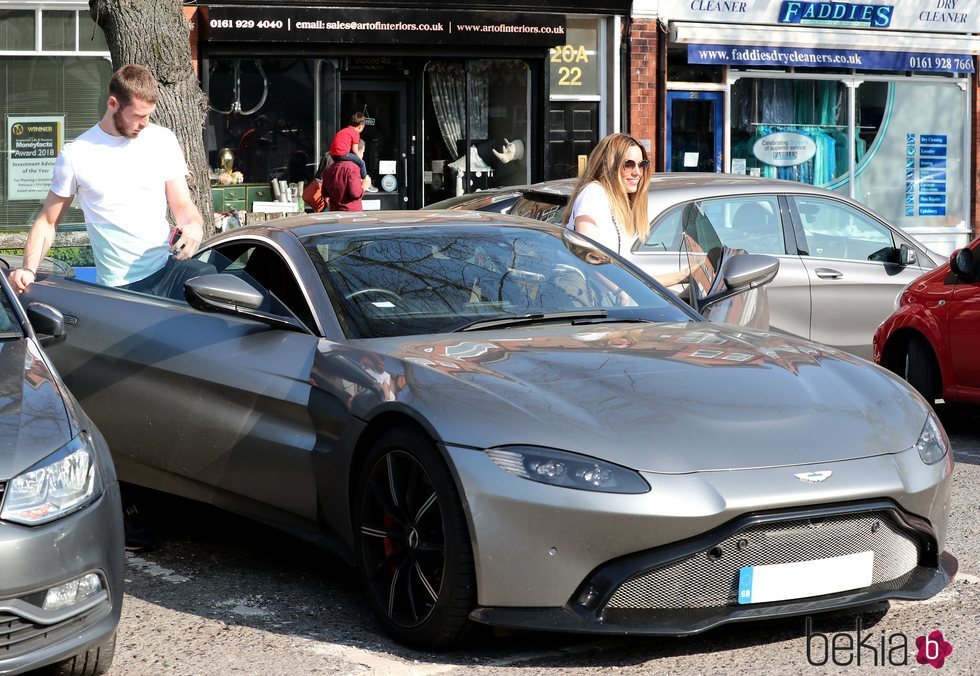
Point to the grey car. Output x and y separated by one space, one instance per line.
841 267
499 422
61 533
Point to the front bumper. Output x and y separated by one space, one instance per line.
34 559
558 537
692 586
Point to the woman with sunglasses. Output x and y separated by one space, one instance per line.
610 201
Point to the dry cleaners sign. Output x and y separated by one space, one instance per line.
784 149
33 143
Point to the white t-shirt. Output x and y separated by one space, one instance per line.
120 185
594 202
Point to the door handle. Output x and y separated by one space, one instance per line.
828 273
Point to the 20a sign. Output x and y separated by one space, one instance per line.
574 66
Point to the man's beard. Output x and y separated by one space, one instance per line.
117 120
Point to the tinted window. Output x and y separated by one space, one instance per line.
837 230
429 280
8 321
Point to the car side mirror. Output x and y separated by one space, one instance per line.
907 255
741 273
231 295
961 263
48 323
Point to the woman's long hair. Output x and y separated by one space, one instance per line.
605 168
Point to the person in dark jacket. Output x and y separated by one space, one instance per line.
344 187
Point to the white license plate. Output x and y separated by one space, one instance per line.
781 581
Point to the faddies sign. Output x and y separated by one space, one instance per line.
354 25
932 16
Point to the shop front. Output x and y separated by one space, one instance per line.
874 101
455 99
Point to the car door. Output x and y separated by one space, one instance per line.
963 328
209 406
751 223
853 264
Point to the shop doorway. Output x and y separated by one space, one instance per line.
385 137
573 131
695 131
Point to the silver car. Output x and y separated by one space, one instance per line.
61 527
840 266
499 422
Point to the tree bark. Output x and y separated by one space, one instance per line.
155 34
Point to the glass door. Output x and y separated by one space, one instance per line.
385 137
695 131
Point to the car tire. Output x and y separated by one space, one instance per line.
91 662
412 541
920 369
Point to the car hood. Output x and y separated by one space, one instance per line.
668 398
33 419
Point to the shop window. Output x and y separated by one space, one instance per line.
70 90
476 126
790 129
262 118
58 31
90 36
912 131
17 30
679 70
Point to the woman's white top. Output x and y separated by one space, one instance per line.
594 202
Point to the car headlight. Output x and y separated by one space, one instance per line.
570 470
933 445
62 483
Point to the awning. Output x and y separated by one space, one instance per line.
751 45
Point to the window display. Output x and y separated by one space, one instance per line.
476 126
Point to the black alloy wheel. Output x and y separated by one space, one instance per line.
416 563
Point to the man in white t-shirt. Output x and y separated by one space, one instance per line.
125 172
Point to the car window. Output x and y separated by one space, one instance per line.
265 270
837 230
437 279
8 322
752 223
550 210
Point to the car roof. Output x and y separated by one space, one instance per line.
308 225
700 184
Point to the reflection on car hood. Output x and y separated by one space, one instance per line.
664 398
33 419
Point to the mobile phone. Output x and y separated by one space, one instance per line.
175 236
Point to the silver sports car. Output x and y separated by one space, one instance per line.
499 423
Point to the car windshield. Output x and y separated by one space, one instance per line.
409 281
541 207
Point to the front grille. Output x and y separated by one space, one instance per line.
709 578
18 635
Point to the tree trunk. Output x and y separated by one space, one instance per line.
155 34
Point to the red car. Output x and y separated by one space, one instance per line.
931 338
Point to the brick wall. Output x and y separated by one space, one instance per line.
643 38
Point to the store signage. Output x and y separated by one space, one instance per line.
929 16
33 143
925 185
836 14
350 25
814 57
784 149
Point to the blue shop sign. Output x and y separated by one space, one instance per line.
933 139
836 14
931 187
932 211
932 199
932 163
932 151
816 57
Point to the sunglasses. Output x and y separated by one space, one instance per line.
630 165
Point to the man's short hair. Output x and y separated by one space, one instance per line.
357 119
134 82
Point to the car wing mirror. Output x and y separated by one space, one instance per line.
907 255
48 323
961 263
228 294
741 273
